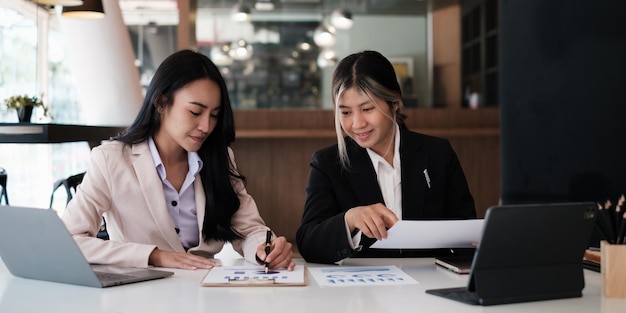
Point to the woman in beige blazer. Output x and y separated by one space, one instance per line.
168 186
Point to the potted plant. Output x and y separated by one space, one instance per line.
24 105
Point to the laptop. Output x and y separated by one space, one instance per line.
528 252
35 244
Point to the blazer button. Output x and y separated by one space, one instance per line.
174 203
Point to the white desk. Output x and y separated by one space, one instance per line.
182 293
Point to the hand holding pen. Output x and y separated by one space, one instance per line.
276 254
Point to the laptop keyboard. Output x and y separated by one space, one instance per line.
457 294
104 276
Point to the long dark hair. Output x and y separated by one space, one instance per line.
218 173
372 74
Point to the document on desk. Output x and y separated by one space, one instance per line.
340 276
251 275
432 234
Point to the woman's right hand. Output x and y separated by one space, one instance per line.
373 220
187 261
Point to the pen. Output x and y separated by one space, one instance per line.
621 233
619 214
268 242
605 224
427 178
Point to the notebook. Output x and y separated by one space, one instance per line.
35 244
528 252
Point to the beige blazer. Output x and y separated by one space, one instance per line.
122 185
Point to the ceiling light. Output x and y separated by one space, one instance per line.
327 58
240 50
304 46
66 3
219 55
241 13
152 28
324 35
341 18
90 9
264 5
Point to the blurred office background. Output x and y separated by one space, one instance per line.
529 92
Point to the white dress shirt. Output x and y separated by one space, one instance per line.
181 205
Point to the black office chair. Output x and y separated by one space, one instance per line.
3 184
70 184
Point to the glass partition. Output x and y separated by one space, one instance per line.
273 60
272 64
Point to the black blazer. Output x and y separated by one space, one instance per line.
333 190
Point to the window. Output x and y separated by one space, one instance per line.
33 61
18 55
32 168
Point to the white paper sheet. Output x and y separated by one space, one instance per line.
340 276
227 274
432 234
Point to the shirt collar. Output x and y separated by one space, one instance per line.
195 163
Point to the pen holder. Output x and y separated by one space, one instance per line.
613 268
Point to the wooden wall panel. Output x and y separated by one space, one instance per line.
277 171
480 159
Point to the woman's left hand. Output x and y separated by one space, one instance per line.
280 254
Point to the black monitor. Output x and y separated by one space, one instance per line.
563 101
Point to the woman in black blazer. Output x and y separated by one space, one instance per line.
379 173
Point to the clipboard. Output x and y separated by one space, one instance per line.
253 276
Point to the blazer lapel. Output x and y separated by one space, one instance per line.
413 162
152 189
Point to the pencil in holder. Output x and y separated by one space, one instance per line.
613 269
